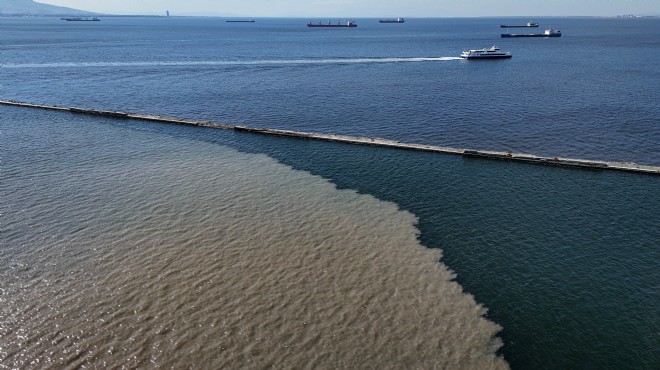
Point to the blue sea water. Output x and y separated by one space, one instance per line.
592 93
565 260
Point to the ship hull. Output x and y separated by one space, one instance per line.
530 35
80 20
487 57
332 25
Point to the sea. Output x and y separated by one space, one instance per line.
130 244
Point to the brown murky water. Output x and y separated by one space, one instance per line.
131 249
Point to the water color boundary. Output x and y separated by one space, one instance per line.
529 158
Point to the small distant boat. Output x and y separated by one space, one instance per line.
240 21
528 24
81 19
333 24
547 33
394 20
493 53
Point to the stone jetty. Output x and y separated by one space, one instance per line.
373 141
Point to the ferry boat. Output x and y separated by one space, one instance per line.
397 20
493 53
81 19
528 24
547 33
331 24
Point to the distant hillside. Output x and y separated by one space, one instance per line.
29 7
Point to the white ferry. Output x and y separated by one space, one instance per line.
492 53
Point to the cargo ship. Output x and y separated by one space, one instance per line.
333 24
547 33
528 24
81 19
396 20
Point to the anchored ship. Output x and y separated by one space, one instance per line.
332 24
528 24
396 20
547 33
81 19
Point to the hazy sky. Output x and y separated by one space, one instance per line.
367 8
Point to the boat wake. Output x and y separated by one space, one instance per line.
228 62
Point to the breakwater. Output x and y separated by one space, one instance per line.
520 157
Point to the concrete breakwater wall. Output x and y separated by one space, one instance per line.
529 158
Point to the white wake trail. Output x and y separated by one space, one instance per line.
227 62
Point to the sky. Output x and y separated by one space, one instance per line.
368 8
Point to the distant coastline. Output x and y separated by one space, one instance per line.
26 8
76 12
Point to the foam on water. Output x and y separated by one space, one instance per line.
225 62
129 248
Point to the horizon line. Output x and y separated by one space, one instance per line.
325 17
